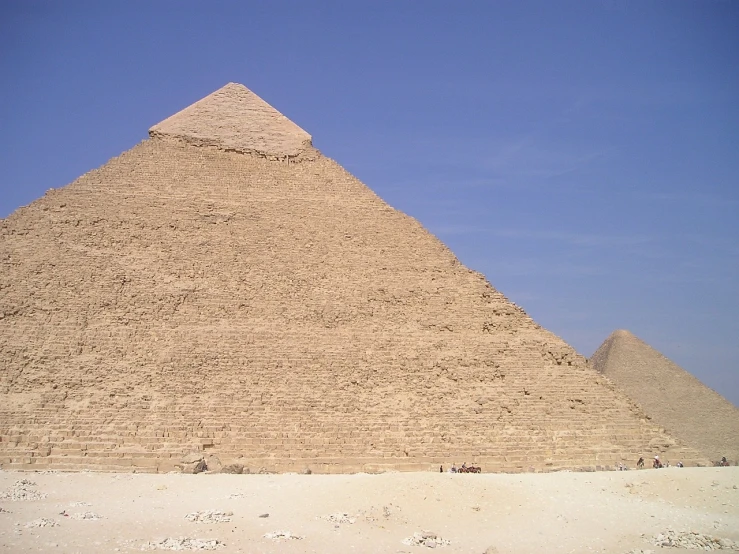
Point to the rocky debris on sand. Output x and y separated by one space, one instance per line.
184 544
264 515
192 458
86 515
640 551
209 516
42 522
339 518
79 504
279 535
234 495
236 469
4 511
387 513
193 463
693 540
22 490
427 539
213 463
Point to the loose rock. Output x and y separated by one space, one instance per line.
209 516
339 518
42 522
237 469
23 490
184 544
86 515
213 463
693 540
282 535
192 458
427 539
193 463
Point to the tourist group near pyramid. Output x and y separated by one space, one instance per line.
224 291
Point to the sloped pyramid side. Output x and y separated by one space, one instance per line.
671 396
235 118
186 297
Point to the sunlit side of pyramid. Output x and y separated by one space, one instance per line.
224 288
671 396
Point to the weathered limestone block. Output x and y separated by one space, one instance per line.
213 463
193 463
233 468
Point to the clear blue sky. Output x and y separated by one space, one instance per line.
583 155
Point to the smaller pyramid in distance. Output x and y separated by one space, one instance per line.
234 118
671 396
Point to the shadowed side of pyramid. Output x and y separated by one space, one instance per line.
234 118
671 396
199 294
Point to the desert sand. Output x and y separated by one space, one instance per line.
612 512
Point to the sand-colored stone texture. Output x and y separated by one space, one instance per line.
671 396
271 312
234 118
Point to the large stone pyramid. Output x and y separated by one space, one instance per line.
671 396
224 288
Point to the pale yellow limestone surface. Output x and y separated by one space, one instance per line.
234 118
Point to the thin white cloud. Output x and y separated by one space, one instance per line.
450 230
686 197
576 239
524 159
540 267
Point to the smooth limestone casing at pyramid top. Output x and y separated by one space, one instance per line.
224 288
671 396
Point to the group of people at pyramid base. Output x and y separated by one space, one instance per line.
656 464
464 468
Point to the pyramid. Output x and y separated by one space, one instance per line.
671 396
222 289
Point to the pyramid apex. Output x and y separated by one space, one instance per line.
234 118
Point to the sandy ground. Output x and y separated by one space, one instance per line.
613 512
